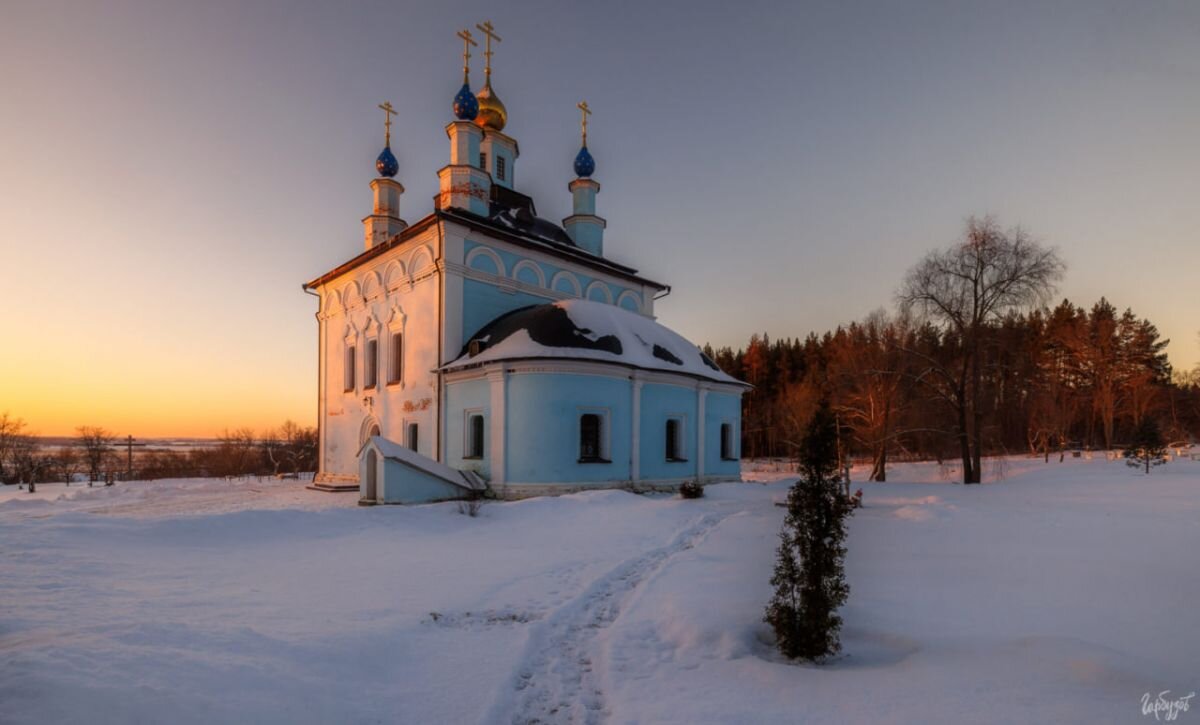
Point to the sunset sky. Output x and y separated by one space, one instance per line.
170 173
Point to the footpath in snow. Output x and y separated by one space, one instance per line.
1062 593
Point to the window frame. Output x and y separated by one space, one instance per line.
603 452
395 368
679 441
350 368
469 452
726 441
371 364
501 167
412 435
483 160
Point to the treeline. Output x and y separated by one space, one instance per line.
98 455
956 374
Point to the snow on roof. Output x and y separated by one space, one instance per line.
395 451
586 330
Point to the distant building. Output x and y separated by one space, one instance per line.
504 348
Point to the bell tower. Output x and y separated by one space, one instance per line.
384 221
583 226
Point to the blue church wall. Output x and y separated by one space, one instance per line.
543 412
461 397
660 402
722 408
526 275
417 486
483 302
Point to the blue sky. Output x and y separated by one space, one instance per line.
172 172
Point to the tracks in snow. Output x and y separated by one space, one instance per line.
555 681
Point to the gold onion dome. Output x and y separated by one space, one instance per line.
492 113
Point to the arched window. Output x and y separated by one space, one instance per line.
349 372
371 364
727 442
474 448
589 437
674 447
396 358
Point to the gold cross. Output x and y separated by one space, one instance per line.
468 41
388 112
490 31
583 107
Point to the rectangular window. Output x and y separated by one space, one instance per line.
396 359
483 161
500 163
371 365
593 436
474 447
412 436
674 442
727 442
350 363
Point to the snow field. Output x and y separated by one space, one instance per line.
1062 593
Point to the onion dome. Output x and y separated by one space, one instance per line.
466 106
492 113
585 165
386 164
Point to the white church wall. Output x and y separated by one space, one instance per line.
397 292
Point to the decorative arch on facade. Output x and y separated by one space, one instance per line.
486 260
396 318
630 300
529 272
333 303
421 260
566 283
370 427
597 291
352 296
372 286
394 276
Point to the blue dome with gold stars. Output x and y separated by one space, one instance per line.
466 105
585 165
386 164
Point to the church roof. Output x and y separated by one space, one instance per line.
511 217
586 330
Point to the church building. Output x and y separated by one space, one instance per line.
485 348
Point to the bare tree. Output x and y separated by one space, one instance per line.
65 463
966 289
235 452
93 442
11 429
27 462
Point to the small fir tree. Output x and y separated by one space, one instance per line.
1147 447
809 575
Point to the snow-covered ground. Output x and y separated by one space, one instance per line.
1062 593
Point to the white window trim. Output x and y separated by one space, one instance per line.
467 415
605 433
408 425
397 326
681 438
733 438
391 357
350 367
368 359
